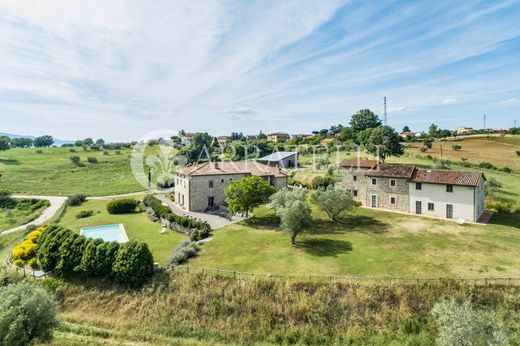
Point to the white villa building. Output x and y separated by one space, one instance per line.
446 194
202 186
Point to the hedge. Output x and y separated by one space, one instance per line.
68 253
202 228
122 206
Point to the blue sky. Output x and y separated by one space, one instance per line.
119 69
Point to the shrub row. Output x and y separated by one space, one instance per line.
68 253
501 206
122 206
202 228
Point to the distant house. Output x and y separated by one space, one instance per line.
251 137
282 159
223 140
410 134
464 130
201 187
278 137
187 139
446 194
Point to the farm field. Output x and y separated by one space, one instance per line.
499 151
138 227
52 173
24 171
368 243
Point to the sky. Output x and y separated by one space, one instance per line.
119 69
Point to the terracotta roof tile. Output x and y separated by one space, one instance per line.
447 177
235 167
368 164
392 171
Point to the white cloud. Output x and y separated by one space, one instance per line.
449 101
77 69
511 101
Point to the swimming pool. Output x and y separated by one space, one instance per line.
115 232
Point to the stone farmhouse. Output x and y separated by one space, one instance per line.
446 194
201 187
278 137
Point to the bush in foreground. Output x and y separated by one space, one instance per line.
461 324
133 264
27 312
122 206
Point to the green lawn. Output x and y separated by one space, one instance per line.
52 172
138 226
368 243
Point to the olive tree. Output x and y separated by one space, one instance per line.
333 201
27 312
293 210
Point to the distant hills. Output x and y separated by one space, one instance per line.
57 142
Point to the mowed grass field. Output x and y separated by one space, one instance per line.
499 151
51 172
368 243
137 225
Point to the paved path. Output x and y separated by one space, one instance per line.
215 221
56 204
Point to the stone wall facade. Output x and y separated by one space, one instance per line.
192 193
390 193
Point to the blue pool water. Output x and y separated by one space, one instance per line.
114 232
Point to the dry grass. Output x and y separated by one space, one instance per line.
499 151
215 309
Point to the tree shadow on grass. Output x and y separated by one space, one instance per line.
263 222
503 219
9 161
324 247
353 223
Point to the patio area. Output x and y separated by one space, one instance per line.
215 221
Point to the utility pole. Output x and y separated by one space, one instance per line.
384 98
484 116
515 124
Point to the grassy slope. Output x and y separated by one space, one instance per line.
7 242
241 311
138 226
500 151
17 217
368 243
52 173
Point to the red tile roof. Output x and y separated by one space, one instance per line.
367 164
236 167
392 171
447 177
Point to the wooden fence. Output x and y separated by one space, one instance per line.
346 278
